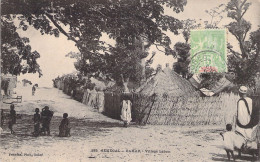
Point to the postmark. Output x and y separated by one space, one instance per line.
208 51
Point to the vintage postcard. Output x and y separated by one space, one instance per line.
129 80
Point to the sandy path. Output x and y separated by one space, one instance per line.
96 137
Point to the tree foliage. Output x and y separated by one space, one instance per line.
17 56
183 59
84 22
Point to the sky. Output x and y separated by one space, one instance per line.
53 50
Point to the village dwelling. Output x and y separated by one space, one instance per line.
8 84
167 82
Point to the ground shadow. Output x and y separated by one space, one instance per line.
80 129
223 157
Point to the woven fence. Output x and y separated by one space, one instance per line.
218 110
167 109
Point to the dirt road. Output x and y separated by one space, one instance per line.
96 137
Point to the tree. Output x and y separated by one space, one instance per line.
245 64
215 16
188 25
181 49
84 22
182 65
17 56
148 69
124 65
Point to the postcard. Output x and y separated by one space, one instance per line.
130 80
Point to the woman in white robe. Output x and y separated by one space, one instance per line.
126 112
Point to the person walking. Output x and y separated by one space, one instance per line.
244 112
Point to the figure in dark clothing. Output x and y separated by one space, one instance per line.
37 121
64 126
33 90
2 117
46 116
12 119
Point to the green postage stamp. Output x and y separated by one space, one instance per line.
208 51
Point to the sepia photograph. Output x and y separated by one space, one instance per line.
130 80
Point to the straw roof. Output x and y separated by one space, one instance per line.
168 82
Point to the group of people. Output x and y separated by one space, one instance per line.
42 119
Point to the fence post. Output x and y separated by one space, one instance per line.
153 100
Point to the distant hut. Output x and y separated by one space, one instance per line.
8 84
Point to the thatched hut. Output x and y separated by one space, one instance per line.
167 82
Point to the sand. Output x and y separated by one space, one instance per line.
95 137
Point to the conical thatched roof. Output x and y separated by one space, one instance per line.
168 82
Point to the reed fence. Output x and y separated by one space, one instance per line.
218 110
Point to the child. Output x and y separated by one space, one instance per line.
36 120
64 126
232 141
33 90
46 116
12 119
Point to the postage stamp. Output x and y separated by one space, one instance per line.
208 51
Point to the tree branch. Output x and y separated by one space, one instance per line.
60 28
150 59
243 13
245 35
156 45
243 3
235 53
150 43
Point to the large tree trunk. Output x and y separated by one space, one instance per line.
1 100
125 82
143 63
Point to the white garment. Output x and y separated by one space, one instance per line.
244 117
232 141
247 133
126 111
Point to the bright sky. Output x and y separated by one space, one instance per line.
53 50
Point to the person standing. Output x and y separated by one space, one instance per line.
36 120
12 119
33 90
244 112
64 127
2 117
126 110
46 117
